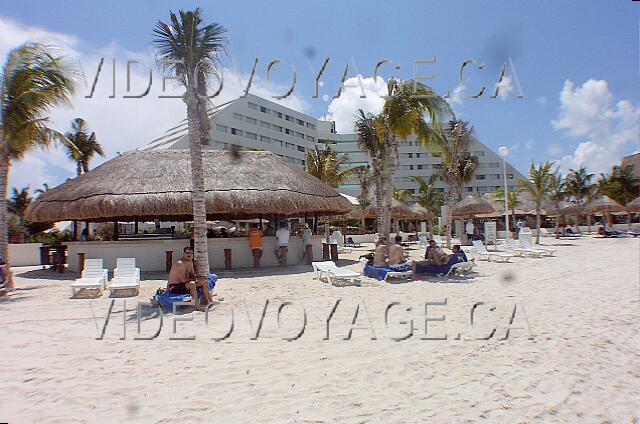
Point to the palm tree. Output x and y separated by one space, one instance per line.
44 189
403 115
197 48
369 141
458 164
620 185
402 195
512 201
19 202
86 145
579 185
326 166
34 80
538 185
557 194
428 194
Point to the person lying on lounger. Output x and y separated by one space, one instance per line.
425 267
182 279
434 255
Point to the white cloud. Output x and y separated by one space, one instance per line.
606 128
505 87
456 96
343 109
542 100
120 124
554 150
529 144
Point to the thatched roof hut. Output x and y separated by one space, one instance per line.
471 206
565 208
156 184
604 204
398 211
421 212
633 206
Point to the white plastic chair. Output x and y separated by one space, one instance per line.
125 276
93 277
521 251
482 252
526 242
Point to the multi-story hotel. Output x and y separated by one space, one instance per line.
252 122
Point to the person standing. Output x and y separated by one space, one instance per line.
469 230
306 244
255 244
282 235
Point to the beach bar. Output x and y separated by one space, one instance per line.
155 185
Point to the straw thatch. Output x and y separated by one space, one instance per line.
398 211
604 204
565 208
157 185
421 212
471 206
633 206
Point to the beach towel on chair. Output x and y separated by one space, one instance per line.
167 299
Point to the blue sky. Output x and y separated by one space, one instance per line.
577 64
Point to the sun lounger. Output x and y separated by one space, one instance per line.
93 277
385 273
332 272
166 299
461 268
521 251
351 243
525 241
482 252
125 276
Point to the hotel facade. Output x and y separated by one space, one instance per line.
254 123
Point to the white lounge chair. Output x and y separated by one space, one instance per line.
544 233
461 268
332 272
521 251
125 276
322 268
437 239
526 242
423 240
482 252
93 277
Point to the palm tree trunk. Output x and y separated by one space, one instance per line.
589 223
392 163
78 168
449 219
557 227
538 225
197 184
379 191
4 216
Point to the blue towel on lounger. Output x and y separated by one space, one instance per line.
377 272
167 299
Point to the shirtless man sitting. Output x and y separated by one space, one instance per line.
381 254
182 279
397 256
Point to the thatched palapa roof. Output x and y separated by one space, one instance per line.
421 212
471 206
633 206
398 210
604 204
156 184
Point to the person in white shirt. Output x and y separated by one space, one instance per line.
306 244
469 230
282 235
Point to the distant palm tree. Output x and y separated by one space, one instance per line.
512 201
403 115
458 164
620 184
19 202
197 47
369 142
428 195
86 145
402 195
579 186
538 185
557 194
34 80
328 167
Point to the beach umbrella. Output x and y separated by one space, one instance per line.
421 212
604 204
633 206
471 206
156 184
398 211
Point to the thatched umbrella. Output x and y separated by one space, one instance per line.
154 184
398 211
471 206
421 212
564 208
605 205
633 206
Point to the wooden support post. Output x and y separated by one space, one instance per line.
227 259
81 261
115 231
135 226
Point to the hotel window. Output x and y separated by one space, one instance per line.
251 135
441 190
510 176
288 118
290 146
276 142
300 122
237 116
303 163
265 139
236 131
264 109
436 154
478 153
492 165
468 189
300 135
311 139
221 128
301 149
264 124
418 155
419 166
276 128
291 160
480 177
288 131
252 106
309 125
278 114
250 120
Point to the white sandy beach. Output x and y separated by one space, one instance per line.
581 365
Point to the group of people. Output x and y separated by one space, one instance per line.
282 244
393 256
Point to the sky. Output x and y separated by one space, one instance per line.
575 65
